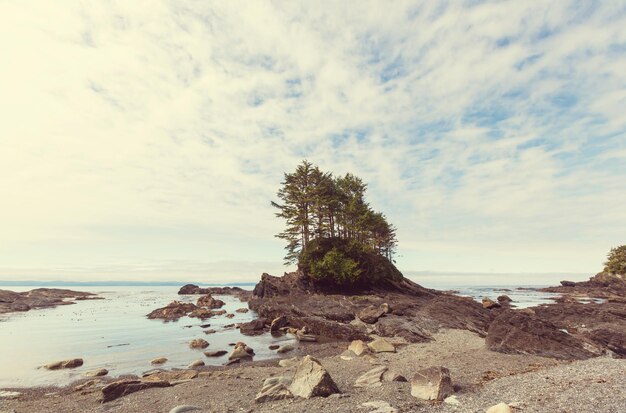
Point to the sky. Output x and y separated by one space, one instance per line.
144 140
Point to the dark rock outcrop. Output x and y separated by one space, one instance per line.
253 328
11 301
191 289
522 332
209 302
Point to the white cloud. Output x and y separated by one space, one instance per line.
138 132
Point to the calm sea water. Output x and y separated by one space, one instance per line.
115 334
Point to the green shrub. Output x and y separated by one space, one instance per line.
616 261
341 262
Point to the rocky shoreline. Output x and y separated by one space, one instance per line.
396 348
11 301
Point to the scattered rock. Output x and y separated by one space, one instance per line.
500 408
285 348
159 360
274 347
289 362
347 355
381 345
210 302
278 323
215 353
433 383
489 303
371 314
372 378
199 343
64 364
521 332
230 315
311 379
194 364
121 388
358 347
379 406
242 310
5 394
220 312
209 331
97 373
274 388
88 384
201 313
184 408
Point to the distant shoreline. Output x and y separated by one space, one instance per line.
117 284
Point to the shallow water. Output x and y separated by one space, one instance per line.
523 297
115 334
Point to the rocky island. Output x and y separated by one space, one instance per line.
11 301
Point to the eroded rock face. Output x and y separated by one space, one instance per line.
433 383
173 311
521 332
121 388
311 379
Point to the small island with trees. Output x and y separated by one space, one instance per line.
332 233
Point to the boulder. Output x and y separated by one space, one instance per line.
489 303
358 347
241 351
97 373
199 343
242 310
158 360
273 346
500 408
274 388
347 355
381 345
209 302
278 323
285 348
311 379
433 383
210 331
215 353
121 388
253 328
521 332
194 364
172 311
372 378
230 315
201 313
64 364
371 314
504 299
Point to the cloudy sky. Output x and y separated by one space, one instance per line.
145 139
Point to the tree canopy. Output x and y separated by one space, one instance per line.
616 261
330 227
